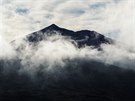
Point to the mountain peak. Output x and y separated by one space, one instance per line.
82 37
53 26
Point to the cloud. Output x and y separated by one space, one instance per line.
6 50
98 5
57 52
104 16
22 10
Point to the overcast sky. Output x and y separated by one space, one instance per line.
114 18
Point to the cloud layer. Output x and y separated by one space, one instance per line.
114 18
57 52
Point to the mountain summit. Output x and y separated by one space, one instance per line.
52 27
82 37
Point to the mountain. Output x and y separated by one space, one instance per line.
29 77
82 37
88 81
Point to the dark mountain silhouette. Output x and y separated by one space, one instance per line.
83 37
89 81
79 80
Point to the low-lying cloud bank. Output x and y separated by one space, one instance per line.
58 51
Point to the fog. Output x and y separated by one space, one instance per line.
57 51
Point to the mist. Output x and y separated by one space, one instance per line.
56 51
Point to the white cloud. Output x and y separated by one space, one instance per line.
115 19
58 51
6 50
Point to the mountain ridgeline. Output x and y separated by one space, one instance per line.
82 37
